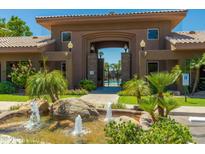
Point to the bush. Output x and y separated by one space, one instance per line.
7 87
21 72
77 92
88 85
118 106
164 131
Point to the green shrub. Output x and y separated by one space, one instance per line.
14 107
77 92
164 131
89 85
123 133
118 106
168 131
21 72
7 87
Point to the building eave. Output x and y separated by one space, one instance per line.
174 17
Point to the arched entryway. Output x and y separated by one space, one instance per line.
109 72
96 41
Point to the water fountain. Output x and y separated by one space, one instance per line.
108 117
34 121
78 130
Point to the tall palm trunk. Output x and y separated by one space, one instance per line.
196 81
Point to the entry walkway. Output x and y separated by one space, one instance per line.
102 95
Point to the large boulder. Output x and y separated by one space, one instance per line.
71 108
25 110
145 121
42 105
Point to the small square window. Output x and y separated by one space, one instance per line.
153 34
65 36
152 67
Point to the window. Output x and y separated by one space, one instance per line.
152 67
63 68
153 34
65 36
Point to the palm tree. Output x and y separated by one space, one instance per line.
46 83
137 87
100 53
107 71
196 64
149 105
160 81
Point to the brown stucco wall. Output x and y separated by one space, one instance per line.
132 32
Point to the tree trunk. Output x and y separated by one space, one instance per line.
160 109
196 81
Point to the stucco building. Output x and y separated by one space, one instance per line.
88 33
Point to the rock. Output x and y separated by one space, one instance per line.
145 121
53 126
42 105
25 110
10 127
66 123
62 123
71 108
126 119
10 114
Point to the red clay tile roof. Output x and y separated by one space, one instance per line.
111 14
186 37
25 41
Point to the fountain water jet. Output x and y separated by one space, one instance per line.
108 117
34 121
78 130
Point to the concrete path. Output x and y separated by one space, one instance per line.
189 111
197 129
5 106
102 96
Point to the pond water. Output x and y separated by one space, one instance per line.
95 133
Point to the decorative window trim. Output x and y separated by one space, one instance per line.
61 33
148 34
155 61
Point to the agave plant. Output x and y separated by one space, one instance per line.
46 83
137 87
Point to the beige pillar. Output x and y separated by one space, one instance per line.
125 74
3 70
92 67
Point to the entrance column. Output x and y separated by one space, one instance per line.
92 67
3 70
125 74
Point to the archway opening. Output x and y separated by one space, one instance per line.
110 62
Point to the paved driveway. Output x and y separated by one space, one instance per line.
102 96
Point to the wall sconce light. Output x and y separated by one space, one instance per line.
125 48
142 45
92 48
70 46
145 54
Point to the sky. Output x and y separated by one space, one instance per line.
193 21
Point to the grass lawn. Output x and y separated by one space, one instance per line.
180 100
20 98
